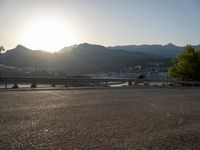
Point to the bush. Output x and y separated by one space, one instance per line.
15 86
186 65
34 85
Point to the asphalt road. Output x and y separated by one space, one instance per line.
108 119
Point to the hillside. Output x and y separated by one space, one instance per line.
83 58
170 50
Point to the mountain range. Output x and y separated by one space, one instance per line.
90 58
170 50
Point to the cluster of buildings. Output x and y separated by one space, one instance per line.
150 71
27 71
153 71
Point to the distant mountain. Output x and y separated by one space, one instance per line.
170 50
66 49
197 47
78 59
22 57
99 58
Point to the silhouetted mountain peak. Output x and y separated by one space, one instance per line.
87 45
69 48
21 47
170 44
90 48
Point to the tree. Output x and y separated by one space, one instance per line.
1 49
186 65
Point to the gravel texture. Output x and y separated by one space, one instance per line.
110 119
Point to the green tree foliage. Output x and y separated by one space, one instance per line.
186 65
1 49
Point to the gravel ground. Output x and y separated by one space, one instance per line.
139 119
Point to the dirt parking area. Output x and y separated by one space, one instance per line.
141 119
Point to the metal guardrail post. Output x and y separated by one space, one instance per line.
5 82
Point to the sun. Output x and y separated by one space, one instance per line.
50 34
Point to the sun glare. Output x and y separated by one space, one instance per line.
48 34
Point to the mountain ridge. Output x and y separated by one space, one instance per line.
169 50
82 58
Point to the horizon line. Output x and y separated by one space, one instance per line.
107 46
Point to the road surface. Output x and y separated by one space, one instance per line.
141 119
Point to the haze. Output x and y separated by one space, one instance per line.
53 24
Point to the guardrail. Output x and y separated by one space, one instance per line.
192 83
65 81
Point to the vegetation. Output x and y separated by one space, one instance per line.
141 76
186 65
34 85
15 86
1 49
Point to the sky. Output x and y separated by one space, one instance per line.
53 24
